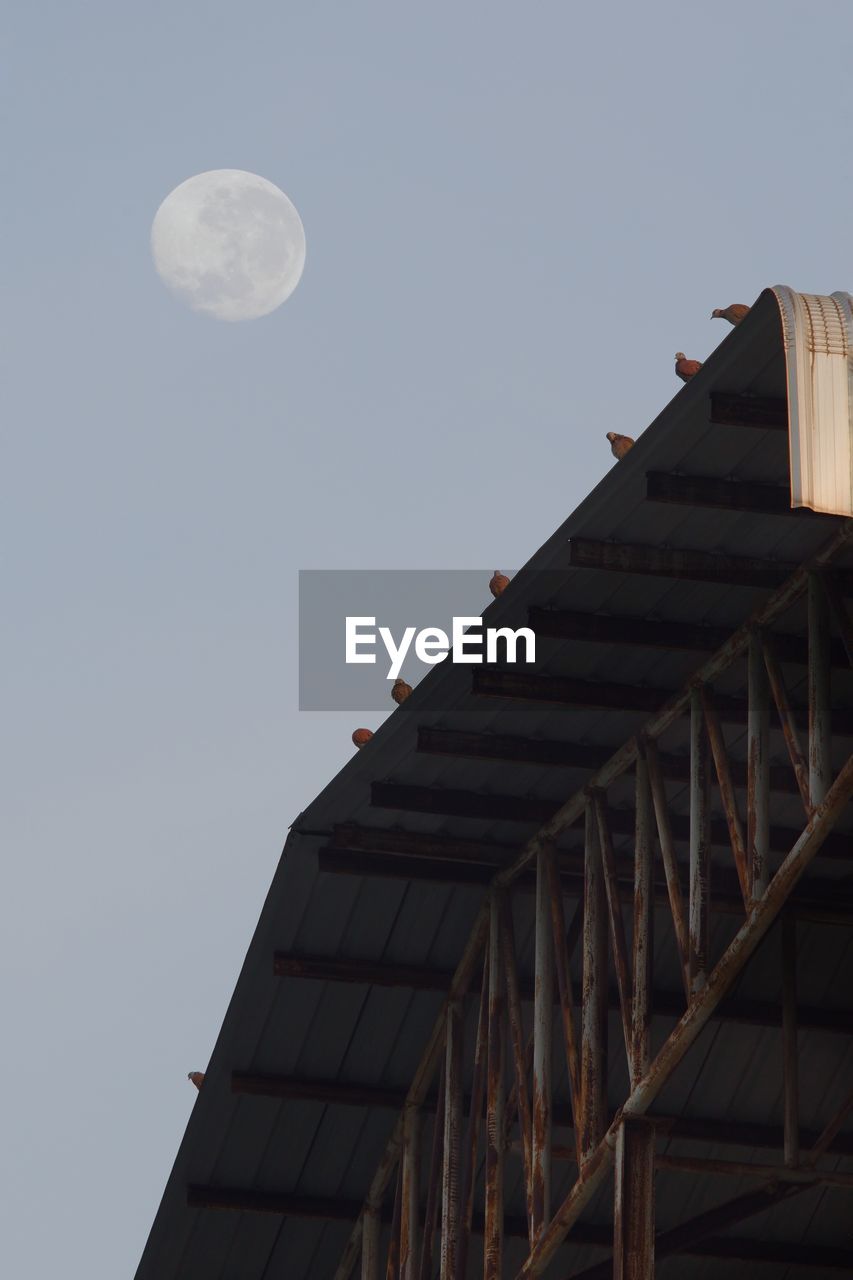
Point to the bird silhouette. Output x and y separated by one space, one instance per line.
733 313
400 691
197 1078
619 445
686 369
361 737
498 583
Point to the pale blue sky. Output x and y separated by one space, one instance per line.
515 214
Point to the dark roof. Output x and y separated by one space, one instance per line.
374 1035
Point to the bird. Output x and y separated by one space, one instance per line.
197 1078
498 583
400 691
361 737
734 313
619 445
686 369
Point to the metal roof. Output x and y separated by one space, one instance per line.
371 1034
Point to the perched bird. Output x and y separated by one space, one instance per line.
361 737
498 583
619 445
197 1078
400 691
734 314
686 369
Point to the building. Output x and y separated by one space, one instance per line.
655 1082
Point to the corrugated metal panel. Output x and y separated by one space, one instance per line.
818 337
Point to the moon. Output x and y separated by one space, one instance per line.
229 244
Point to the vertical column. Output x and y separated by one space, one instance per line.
450 1188
495 1138
790 1055
699 845
634 1202
643 939
370 1227
409 1221
543 1022
758 770
594 1007
820 706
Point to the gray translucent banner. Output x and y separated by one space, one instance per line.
394 617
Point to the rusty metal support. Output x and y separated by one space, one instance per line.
700 845
634 1202
594 1002
543 1024
649 752
643 932
564 979
475 1116
433 1185
727 792
392 1264
495 1132
614 914
790 1053
450 1200
371 1226
786 719
758 771
419 1087
684 1035
516 1027
820 696
830 1132
410 1208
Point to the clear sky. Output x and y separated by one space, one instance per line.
515 215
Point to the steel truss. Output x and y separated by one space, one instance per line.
512 1085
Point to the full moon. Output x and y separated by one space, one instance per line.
229 244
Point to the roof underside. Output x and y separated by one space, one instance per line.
375 1035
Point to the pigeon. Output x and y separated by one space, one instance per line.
686 369
619 445
734 314
401 691
498 583
197 1078
361 737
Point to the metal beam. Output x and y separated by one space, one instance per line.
634 1202
543 1025
450 1206
726 495
684 564
700 847
586 1235
405 798
593 1067
790 1050
733 409
663 1003
819 904
560 754
495 1139
606 695
647 633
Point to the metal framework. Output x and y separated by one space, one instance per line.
511 1110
